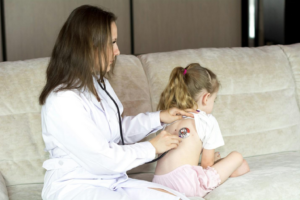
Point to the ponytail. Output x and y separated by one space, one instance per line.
176 93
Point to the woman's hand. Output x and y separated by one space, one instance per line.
165 141
173 114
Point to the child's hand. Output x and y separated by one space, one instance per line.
217 156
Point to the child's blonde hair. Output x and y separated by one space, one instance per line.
185 84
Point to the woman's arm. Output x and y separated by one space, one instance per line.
67 124
138 127
135 128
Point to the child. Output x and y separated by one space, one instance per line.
195 87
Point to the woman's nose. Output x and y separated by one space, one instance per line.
116 51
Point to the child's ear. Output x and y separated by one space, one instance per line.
205 98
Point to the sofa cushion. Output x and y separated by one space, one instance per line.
130 84
256 107
273 176
3 190
21 144
25 192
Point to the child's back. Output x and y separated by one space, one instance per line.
179 169
188 152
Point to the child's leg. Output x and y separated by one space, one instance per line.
161 190
243 169
228 165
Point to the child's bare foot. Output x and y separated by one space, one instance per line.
217 156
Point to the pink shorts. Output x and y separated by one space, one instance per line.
190 180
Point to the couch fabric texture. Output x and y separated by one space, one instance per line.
257 110
3 189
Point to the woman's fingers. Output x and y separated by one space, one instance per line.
173 114
173 139
173 146
191 110
176 140
184 113
165 141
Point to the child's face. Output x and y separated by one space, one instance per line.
210 103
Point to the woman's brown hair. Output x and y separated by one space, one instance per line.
85 35
185 86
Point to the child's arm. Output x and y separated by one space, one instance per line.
208 158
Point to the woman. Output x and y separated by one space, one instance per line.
80 121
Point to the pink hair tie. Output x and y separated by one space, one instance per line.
184 72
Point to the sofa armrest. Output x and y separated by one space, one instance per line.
3 190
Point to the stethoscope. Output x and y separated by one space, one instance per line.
183 132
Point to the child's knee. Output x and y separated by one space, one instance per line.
237 156
245 166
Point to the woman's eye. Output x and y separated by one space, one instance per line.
114 41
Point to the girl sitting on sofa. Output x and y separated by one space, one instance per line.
195 87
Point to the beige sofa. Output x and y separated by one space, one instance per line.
257 109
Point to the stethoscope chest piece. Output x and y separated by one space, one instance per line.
184 132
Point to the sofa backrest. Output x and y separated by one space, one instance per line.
257 106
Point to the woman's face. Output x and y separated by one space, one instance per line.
116 51
111 54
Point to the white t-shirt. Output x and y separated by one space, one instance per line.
208 130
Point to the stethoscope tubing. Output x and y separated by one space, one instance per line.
120 121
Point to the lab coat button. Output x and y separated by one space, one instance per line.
61 162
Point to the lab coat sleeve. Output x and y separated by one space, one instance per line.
135 128
76 133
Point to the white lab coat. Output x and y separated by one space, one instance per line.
86 160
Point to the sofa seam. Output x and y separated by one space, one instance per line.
257 92
20 113
22 184
266 130
141 61
275 153
292 71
